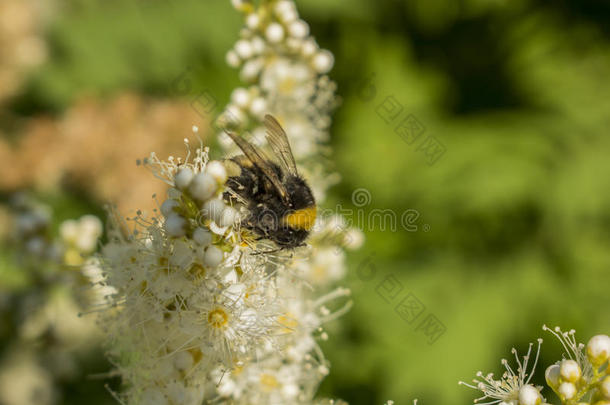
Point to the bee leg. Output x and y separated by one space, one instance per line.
259 252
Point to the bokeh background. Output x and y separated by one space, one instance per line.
513 224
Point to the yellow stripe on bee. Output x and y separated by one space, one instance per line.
242 160
233 169
301 219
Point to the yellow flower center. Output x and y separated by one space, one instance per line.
218 318
269 382
197 270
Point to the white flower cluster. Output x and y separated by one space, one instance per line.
285 73
200 311
583 378
79 238
47 334
32 222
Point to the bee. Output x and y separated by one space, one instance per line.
281 205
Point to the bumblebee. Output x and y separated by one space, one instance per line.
280 203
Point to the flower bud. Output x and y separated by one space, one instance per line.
168 206
567 390
69 230
323 61
183 178
243 49
309 48
228 217
232 59
217 170
212 209
91 225
258 45
175 225
298 29
202 236
250 70
258 107
213 256
529 395
274 33
203 186
552 376
570 371
253 21
241 98
598 349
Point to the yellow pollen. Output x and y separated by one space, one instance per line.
287 85
249 290
301 219
197 355
197 270
218 318
237 370
288 321
269 382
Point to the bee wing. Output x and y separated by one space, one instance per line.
257 158
276 136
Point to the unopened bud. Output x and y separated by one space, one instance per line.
570 371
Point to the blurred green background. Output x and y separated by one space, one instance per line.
514 220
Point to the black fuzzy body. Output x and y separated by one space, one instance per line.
266 206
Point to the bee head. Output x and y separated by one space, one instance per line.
287 237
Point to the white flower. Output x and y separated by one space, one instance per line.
577 363
598 349
513 387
